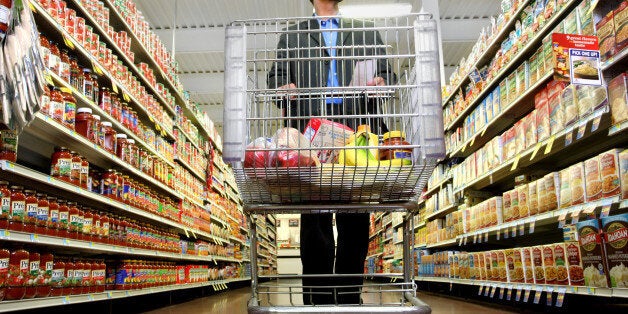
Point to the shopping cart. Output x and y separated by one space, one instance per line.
261 58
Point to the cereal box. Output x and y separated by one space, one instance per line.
528 269
537 262
523 76
574 263
556 114
530 129
593 181
570 107
618 95
524 207
560 263
540 98
512 87
620 20
577 183
549 265
520 136
496 100
533 199
623 173
488 107
541 193
565 188
609 173
542 123
592 253
503 94
606 33
494 268
615 230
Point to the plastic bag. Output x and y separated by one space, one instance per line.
292 138
257 158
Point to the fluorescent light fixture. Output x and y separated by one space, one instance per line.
375 10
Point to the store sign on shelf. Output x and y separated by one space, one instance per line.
577 59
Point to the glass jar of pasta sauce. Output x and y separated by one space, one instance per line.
30 218
44 280
85 124
18 208
43 213
61 164
58 279
75 173
5 199
18 275
64 216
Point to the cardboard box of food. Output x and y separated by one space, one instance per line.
620 21
552 188
609 173
541 193
326 133
507 211
543 129
593 180
615 229
491 265
514 263
520 136
560 263
497 100
526 255
556 114
548 264
533 198
524 205
530 129
574 263
618 95
577 183
514 204
606 33
569 105
592 253
623 173
565 188
501 265
537 262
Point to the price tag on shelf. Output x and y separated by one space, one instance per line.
561 220
481 289
560 298
187 235
518 294
568 138
34 238
605 210
90 297
501 292
32 7
114 87
522 229
536 150
509 293
484 131
526 295
68 42
550 144
475 238
513 231
575 216
498 234
581 129
451 286
531 229
548 296
485 237
48 79
493 288
486 290
506 233
465 241
464 148
472 142
126 97
97 68
5 234
515 163
109 294
193 234
596 123
537 296
589 210
460 241
591 290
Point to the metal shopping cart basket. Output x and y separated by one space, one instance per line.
285 141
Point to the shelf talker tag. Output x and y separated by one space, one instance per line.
472 142
493 291
560 298
549 296
48 79
518 294
68 42
526 296
581 129
480 290
596 123
515 163
550 144
513 231
483 131
522 228
32 7
126 97
486 237
509 293
537 296
498 234
114 87
561 220
186 232
531 229
97 68
605 210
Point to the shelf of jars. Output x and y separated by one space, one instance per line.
488 51
193 170
144 54
56 186
120 127
189 139
45 132
218 220
37 303
147 109
103 247
531 45
98 20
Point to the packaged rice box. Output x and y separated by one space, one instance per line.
623 173
577 183
528 269
606 34
570 23
523 77
556 114
615 230
537 262
533 198
592 252
618 97
565 188
542 123
552 188
584 99
593 180
507 212
512 87
524 205
530 129
534 67
541 192
514 264
609 173
492 268
501 265
570 107
555 88
585 17
574 263
503 94
560 264
549 265
488 107
514 204
520 136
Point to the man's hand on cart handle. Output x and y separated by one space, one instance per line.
376 81
292 87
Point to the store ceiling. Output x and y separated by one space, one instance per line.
200 34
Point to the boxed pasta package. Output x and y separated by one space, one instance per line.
574 263
537 262
593 181
577 183
617 94
514 263
524 202
623 173
549 264
533 198
565 188
526 255
609 173
542 122
615 230
560 263
606 33
592 252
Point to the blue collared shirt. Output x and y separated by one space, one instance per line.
330 38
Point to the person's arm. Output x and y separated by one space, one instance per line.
385 74
279 76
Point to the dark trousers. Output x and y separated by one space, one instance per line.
317 256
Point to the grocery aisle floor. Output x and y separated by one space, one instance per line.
235 302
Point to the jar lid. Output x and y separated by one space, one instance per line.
96 117
29 191
86 70
106 123
364 128
120 135
17 187
393 134
83 110
131 141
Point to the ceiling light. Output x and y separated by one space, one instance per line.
375 10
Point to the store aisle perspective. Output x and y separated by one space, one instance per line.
235 302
